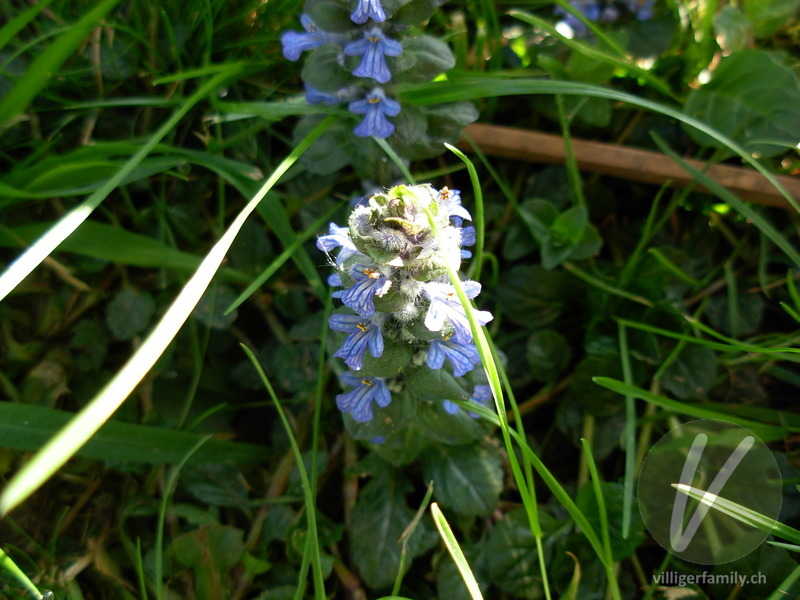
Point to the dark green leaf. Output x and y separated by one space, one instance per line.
211 552
129 313
215 484
379 518
467 479
692 374
548 354
513 559
26 427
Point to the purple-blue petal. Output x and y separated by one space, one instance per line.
368 9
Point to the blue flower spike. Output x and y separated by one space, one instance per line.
358 402
373 48
390 251
366 10
375 108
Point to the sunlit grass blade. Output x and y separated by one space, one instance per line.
319 584
455 551
11 567
480 224
48 63
741 513
67 224
764 431
65 443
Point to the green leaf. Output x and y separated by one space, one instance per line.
323 72
379 518
692 374
443 427
548 354
423 58
385 420
218 484
467 479
753 98
613 497
732 29
767 16
513 558
129 313
106 242
435 384
534 297
211 308
211 552
27 427
401 447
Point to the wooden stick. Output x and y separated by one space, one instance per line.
627 163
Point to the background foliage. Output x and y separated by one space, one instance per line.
141 135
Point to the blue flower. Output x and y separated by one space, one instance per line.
446 306
335 280
337 237
314 96
374 46
369 283
482 394
358 402
375 108
364 333
643 9
463 357
368 9
294 43
468 238
449 202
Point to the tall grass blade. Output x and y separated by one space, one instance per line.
11 567
455 551
319 584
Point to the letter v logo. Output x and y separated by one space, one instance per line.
680 540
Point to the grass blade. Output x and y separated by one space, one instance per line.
11 567
319 584
455 551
